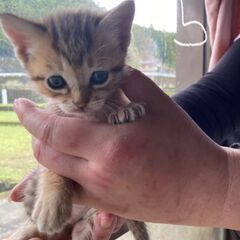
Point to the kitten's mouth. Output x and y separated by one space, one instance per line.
88 109
80 109
76 110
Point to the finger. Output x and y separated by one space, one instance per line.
60 132
139 88
104 226
17 193
62 164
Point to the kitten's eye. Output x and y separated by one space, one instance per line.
99 77
56 82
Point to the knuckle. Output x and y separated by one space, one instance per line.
121 151
64 135
38 150
47 130
113 151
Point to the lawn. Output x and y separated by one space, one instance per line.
8 117
16 157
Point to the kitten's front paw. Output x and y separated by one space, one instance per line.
52 213
127 114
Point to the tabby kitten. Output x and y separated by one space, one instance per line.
75 59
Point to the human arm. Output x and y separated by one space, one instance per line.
168 169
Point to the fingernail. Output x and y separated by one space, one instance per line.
106 221
15 196
16 103
20 101
17 107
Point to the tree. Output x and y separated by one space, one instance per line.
147 43
166 48
152 44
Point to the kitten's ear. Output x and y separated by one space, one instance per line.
117 23
23 34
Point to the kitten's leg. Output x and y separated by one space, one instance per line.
53 205
83 229
26 232
30 192
127 114
138 229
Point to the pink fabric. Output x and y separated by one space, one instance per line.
224 25
236 18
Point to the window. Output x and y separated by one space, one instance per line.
194 59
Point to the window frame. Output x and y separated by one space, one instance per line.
191 62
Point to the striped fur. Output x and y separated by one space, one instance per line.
72 34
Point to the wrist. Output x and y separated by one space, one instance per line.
206 190
194 190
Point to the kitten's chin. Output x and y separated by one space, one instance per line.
72 111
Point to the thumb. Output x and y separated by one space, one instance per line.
139 88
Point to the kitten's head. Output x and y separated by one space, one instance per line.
74 58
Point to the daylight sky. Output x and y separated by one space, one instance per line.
161 14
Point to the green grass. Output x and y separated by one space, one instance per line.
16 158
8 117
6 105
10 105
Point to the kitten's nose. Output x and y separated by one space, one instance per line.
81 105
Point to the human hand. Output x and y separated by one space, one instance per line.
154 169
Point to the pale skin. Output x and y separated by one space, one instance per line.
161 168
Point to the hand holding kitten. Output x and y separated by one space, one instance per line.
153 169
